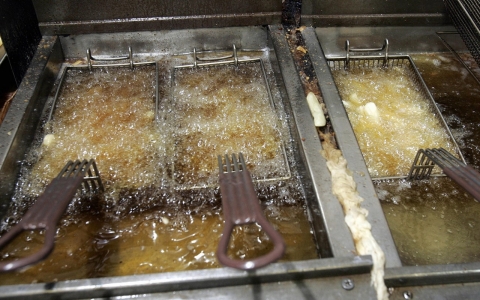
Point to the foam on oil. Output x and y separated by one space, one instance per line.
224 110
149 219
391 118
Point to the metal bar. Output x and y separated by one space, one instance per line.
338 235
139 63
233 55
57 92
264 73
432 275
156 92
109 58
351 151
467 15
218 63
349 49
187 280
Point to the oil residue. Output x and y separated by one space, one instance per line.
391 118
150 219
435 221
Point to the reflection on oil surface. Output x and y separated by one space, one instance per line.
432 222
152 242
435 221
143 223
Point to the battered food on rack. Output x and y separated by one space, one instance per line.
316 110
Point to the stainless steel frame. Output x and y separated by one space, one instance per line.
453 281
70 27
338 263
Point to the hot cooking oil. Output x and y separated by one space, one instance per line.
144 223
98 115
229 113
155 241
435 221
391 118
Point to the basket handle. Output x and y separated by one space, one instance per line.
349 49
90 58
197 59
241 207
43 215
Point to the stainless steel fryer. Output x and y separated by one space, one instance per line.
109 27
324 43
335 248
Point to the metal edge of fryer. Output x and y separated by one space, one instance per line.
427 281
15 132
325 272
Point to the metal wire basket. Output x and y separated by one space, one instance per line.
465 15
368 58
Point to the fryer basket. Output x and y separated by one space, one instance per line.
384 60
465 15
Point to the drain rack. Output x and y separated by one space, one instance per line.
385 60
231 59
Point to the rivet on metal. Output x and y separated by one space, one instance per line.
407 295
348 284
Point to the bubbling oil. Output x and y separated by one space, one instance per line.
389 135
435 221
99 116
153 242
432 222
146 221
222 110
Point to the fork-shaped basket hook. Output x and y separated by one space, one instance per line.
46 212
240 207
